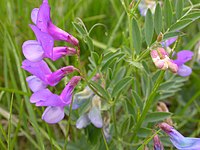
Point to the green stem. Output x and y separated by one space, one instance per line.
68 125
104 139
148 103
130 35
114 119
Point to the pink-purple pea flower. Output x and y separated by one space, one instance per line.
56 103
162 61
183 56
42 71
41 17
36 50
178 140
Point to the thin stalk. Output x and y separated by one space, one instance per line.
114 119
104 139
10 122
68 125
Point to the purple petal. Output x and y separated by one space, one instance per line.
183 57
184 143
169 41
59 52
53 115
39 69
34 15
82 122
35 84
95 117
45 40
66 94
59 34
33 51
184 70
56 76
178 140
44 97
43 17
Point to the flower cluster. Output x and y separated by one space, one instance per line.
42 76
178 140
163 61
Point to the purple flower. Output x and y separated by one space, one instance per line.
42 71
43 48
93 116
162 61
56 103
169 41
178 140
41 17
183 57
157 143
35 84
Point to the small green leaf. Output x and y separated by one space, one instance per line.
158 19
168 13
136 64
100 89
166 85
79 28
193 15
149 27
138 100
89 43
157 116
180 24
127 125
144 132
110 58
136 34
179 8
171 34
95 57
120 85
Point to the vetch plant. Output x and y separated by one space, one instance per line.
109 83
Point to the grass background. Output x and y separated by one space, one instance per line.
20 124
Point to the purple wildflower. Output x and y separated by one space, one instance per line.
42 71
162 61
183 57
41 17
178 140
35 84
55 110
169 41
43 48
157 143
